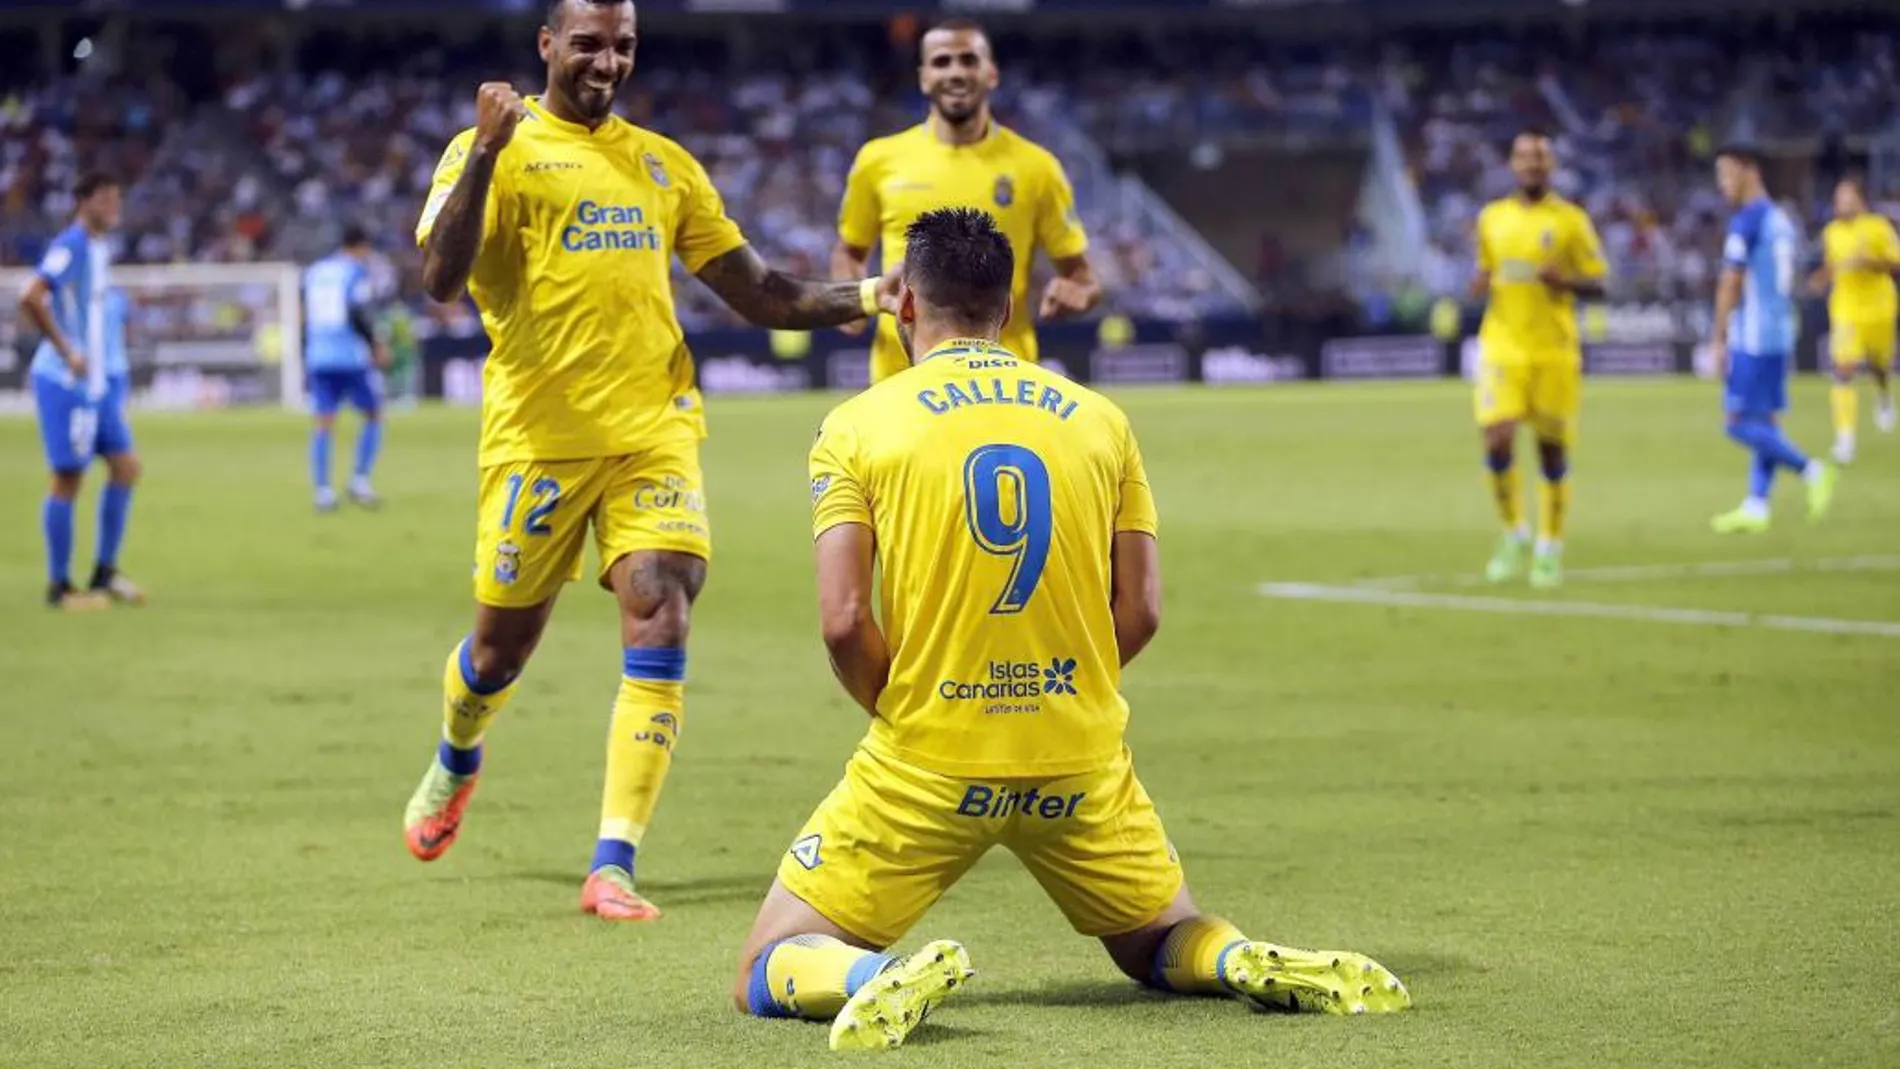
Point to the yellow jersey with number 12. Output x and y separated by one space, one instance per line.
1018 182
1527 322
1861 295
587 359
994 488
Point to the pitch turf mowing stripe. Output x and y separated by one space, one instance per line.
1624 573
1601 610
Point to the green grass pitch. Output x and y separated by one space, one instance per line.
1590 841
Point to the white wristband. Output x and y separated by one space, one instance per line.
867 296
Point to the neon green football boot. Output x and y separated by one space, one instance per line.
885 1011
1312 981
1744 520
1821 491
1507 560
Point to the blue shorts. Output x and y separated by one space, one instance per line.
329 389
74 428
1757 385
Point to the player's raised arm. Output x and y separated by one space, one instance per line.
767 297
456 217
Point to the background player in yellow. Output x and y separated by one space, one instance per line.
1011 516
1861 255
1537 253
959 156
560 218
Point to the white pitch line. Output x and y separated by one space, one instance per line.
1364 595
1623 573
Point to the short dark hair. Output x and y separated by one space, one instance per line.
1748 155
955 24
92 182
1538 132
959 262
1856 183
552 15
354 236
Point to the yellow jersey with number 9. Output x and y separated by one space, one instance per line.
1527 322
1018 182
994 489
573 282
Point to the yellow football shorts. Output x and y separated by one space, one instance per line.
1546 395
534 516
892 838
1863 344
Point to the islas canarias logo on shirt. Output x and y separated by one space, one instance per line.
1014 681
597 227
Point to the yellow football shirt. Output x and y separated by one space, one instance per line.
898 178
1526 321
1861 296
587 359
994 489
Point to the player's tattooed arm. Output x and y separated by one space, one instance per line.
768 297
456 237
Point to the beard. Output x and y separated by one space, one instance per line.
958 113
591 102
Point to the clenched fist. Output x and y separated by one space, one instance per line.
498 109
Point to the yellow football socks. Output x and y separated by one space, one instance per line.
1504 487
468 707
648 713
1846 404
810 976
1189 959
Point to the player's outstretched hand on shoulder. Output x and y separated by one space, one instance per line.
498 110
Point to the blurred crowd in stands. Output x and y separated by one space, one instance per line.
265 162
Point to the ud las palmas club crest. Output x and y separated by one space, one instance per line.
1005 191
657 170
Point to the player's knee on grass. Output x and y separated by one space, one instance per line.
1134 952
656 592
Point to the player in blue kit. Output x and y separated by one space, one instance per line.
341 357
1753 338
80 386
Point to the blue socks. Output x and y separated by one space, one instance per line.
1766 441
320 458
460 762
115 504
1761 477
616 852
56 523
368 443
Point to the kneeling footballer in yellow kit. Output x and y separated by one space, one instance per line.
1011 515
